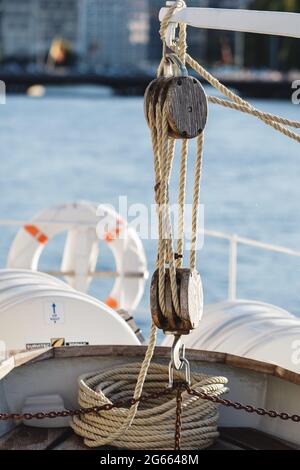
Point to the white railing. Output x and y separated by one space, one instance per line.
233 240
250 21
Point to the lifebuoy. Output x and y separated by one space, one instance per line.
85 222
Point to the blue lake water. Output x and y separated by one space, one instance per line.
67 148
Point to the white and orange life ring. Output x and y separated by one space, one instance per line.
84 226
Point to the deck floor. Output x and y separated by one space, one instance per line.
27 438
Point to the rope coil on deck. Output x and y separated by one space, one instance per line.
153 427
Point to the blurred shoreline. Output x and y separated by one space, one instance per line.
248 83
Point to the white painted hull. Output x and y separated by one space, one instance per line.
262 385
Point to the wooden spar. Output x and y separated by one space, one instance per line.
248 21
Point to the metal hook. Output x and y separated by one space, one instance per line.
177 63
178 361
177 352
173 66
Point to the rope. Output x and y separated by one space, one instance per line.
198 168
178 5
254 112
128 416
182 188
153 427
278 123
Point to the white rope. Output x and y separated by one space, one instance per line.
153 427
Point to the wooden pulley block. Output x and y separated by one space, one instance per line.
184 97
186 104
156 91
187 108
149 97
190 294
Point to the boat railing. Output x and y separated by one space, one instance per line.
233 240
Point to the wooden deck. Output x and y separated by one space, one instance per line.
26 438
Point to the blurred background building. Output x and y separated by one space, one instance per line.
28 27
106 33
122 35
115 33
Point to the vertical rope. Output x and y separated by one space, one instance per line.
178 5
161 255
181 203
182 48
198 167
170 249
182 44
155 146
166 252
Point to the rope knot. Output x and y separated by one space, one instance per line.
179 5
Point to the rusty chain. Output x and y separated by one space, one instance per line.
248 408
82 411
178 387
178 422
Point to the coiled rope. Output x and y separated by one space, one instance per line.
153 427
78 424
